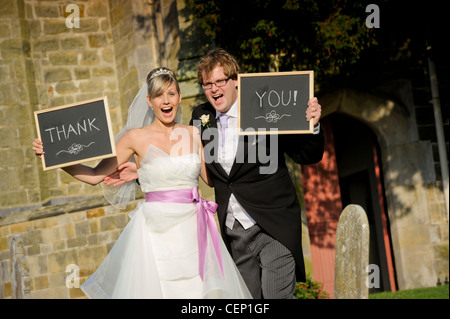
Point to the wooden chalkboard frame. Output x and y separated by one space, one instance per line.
101 105
305 75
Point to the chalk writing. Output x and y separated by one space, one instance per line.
272 116
274 98
64 131
75 148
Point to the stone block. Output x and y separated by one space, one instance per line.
9 9
32 237
92 239
45 45
103 72
7 97
20 228
4 73
441 251
414 235
92 86
52 27
38 265
108 55
73 43
94 226
76 242
45 223
13 48
82 229
58 279
41 282
46 10
97 40
90 58
35 29
33 250
57 262
3 243
66 88
57 75
88 25
82 73
7 290
63 58
92 256
76 293
57 101
97 9
59 245
411 163
113 222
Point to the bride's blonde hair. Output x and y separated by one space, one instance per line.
159 79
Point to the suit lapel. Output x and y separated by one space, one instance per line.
210 140
241 154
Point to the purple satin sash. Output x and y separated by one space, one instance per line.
205 218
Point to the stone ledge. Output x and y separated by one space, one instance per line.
54 210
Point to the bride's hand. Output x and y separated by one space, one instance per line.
38 147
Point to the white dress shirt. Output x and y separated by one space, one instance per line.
226 159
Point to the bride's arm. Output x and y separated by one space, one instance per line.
95 175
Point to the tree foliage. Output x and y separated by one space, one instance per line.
326 36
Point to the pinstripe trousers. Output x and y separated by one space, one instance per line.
267 267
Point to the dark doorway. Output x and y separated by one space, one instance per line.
357 156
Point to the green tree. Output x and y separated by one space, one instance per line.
327 36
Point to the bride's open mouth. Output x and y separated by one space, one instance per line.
167 110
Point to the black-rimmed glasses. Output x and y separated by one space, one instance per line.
220 83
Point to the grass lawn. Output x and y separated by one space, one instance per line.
438 292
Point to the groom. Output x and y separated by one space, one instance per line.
259 213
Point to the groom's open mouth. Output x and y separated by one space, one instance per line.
217 96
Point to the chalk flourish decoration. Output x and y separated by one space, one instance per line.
272 116
75 148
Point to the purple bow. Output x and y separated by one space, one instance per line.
205 219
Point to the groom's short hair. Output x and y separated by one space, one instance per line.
218 57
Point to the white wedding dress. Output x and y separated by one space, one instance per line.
157 254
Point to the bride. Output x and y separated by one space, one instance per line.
171 247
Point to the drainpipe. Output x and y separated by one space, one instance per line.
439 129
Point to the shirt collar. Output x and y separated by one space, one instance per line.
232 112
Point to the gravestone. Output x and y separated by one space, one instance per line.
352 254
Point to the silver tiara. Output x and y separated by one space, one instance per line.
160 72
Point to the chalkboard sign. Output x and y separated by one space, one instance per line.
278 100
75 133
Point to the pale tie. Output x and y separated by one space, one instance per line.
223 118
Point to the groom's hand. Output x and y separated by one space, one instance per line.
125 173
314 110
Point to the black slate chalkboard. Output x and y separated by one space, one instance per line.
75 133
275 103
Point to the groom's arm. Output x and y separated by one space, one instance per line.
304 148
